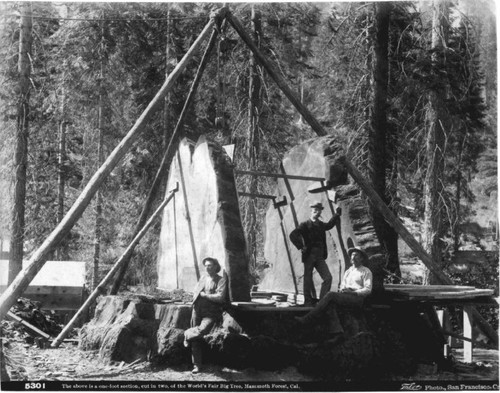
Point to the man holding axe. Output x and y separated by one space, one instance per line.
310 238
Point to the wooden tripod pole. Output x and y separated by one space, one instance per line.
37 260
416 247
100 289
165 160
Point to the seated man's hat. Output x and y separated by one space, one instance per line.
360 251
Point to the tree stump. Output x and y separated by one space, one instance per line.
171 350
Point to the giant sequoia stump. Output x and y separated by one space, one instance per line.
203 220
316 158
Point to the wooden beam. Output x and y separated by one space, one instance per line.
278 175
28 325
101 288
254 195
37 260
427 288
416 247
468 343
275 75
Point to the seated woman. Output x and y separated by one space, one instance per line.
356 286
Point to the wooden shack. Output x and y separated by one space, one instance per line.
59 285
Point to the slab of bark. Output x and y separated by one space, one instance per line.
212 220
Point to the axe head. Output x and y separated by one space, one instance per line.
317 187
332 195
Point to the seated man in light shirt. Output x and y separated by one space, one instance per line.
208 304
355 287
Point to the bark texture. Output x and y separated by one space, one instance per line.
379 152
204 221
21 147
435 143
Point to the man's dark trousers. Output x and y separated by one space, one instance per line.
315 260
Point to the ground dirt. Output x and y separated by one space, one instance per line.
69 363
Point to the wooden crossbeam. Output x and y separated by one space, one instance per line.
278 175
255 195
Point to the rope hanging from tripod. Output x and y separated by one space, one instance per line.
219 110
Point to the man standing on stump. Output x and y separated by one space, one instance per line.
356 286
208 302
310 238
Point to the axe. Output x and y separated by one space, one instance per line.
331 197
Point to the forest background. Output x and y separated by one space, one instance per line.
410 88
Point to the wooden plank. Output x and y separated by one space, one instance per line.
468 344
292 309
460 302
451 295
53 290
278 175
38 258
391 287
28 325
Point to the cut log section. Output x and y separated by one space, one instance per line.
204 221
315 158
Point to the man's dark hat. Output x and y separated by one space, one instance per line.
317 205
354 249
214 261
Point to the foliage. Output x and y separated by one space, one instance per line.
324 51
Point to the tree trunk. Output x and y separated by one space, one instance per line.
61 173
379 155
435 144
253 138
100 156
458 196
21 148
